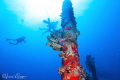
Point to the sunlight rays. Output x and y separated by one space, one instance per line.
32 12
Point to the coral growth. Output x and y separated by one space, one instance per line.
65 40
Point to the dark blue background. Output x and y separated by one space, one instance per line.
100 37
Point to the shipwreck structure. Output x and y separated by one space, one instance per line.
90 66
65 40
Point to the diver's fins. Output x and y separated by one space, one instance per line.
8 39
11 43
45 21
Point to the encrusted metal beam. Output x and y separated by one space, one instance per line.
65 40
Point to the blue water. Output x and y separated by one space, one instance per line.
100 37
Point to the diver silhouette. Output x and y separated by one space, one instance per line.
90 65
16 41
51 26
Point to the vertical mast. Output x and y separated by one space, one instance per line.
65 40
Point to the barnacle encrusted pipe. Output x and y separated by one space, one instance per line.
65 40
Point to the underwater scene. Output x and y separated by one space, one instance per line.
59 40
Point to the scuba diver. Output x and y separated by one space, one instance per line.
16 41
90 65
51 26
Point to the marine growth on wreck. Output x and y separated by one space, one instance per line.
65 40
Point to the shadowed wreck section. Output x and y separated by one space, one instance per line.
65 40
90 65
